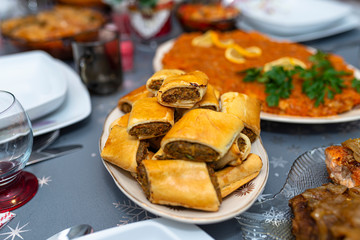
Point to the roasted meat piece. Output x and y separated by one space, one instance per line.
327 212
342 166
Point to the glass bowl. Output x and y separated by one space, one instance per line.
198 16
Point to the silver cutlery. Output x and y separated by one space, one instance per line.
49 153
72 232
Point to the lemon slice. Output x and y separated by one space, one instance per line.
204 40
287 62
221 43
248 52
233 55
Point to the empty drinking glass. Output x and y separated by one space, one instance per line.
16 138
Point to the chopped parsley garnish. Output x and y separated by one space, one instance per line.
320 81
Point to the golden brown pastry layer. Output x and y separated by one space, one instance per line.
231 178
123 150
202 135
125 103
238 152
149 119
183 91
246 108
210 100
154 83
179 183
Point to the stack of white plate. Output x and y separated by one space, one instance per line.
49 90
297 20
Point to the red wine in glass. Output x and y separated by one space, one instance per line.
17 187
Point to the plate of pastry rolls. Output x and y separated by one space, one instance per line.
183 151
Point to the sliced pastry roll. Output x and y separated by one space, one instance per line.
149 119
245 108
180 183
123 150
125 103
202 135
231 178
183 91
154 83
121 121
238 152
210 100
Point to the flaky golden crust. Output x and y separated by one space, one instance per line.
216 130
125 103
196 81
147 111
120 149
238 152
180 183
231 178
244 107
121 121
161 76
210 100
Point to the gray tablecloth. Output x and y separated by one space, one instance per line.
77 188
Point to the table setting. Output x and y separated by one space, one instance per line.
61 108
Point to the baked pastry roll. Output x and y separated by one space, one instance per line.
123 150
245 108
183 91
149 119
121 121
154 83
125 103
202 135
231 178
180 183
238 152
210 100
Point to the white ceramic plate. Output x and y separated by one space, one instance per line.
153 229
34 80
293 16
76 107
231 206
352 115
348 23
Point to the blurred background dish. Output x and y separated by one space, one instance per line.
348 23
84 3
203 16
53 30
283 17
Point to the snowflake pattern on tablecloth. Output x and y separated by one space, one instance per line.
274 217
245 189
278 162
290 191
44 181
14 233
132 212
263 197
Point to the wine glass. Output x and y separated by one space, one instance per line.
17 187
